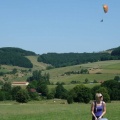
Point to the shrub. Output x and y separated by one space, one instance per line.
22 96
69 99
82 94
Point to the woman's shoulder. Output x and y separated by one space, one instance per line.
93 102
103 102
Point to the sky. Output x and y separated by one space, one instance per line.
59 26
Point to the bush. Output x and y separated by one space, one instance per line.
61 92
69 99
105 94
2 96
82 94
50 96
22 96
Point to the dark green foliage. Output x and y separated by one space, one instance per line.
22 96
32 84
117 78
37 75
38 78
95 81
7 87
75 82
116 52
105 94
14 71
67 59
2 96
14 91
50 95
84 71
113 88
8 95
82 94
42 88
39 82
1 73
16 51
5 96
94 90
6 91
71 95
69 99
46 78
61 92
33 94
86 81
1 82
49 67
15 57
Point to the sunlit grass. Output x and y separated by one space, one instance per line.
53 110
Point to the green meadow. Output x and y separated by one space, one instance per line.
100 71
53 110
59 109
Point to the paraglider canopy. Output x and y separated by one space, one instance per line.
105 8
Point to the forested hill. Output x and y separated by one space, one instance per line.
18 51
15 57
68 59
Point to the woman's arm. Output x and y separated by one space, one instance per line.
92 110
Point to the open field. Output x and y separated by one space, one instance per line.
53 110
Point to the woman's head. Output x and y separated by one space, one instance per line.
99 96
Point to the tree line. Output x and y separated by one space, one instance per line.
68 59
16 57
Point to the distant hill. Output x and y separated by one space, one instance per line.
17 51
100 71
15 57
19 57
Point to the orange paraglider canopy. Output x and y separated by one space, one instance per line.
105 8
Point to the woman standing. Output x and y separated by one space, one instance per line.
98 107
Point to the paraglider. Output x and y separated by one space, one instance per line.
105 8
101 20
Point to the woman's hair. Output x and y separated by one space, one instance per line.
98 95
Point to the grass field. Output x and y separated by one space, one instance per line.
60 110
53 110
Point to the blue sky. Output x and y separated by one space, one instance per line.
60 26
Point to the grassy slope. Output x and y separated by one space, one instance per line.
37 65
108 69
